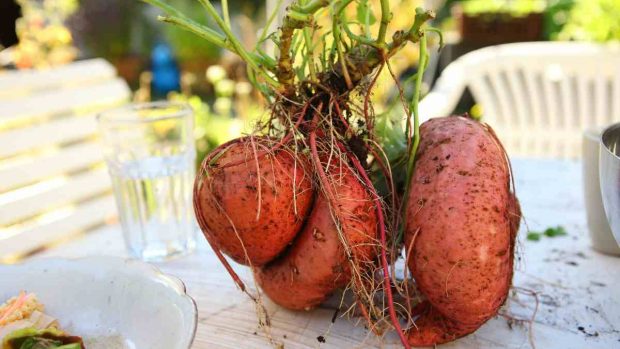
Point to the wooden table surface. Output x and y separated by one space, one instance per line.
578 289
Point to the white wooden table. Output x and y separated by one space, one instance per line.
578 288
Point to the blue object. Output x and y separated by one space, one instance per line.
166 73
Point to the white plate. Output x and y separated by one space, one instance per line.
110 302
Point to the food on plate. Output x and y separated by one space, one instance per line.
24 325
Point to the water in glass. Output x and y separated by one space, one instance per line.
151 163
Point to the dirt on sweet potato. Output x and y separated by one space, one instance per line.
462 220
332 242
253 200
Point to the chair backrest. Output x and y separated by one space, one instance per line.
53 183
540 96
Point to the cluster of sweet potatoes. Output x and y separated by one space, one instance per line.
259 205
258 202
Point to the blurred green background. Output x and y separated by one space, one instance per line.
160 61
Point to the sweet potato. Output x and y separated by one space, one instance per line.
462 220
317 263
254 198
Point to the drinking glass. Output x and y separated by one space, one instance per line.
150 152
609 172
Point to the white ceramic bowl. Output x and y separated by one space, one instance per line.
110 302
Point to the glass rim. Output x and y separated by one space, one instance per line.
126 113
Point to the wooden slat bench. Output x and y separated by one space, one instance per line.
53 183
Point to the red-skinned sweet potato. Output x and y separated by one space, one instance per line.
316 264
462 219
253 197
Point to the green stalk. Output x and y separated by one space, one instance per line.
414 33
311 7
215 38
367 25
270 20
176 17
324 58
341 56
413 149
336 32
414 106
264 89
166 8
264 60
225 13
385 20
300 16
296 45
360 39
439 33
310 53
340 9
200 30
236 44
359 61
297 17
308 57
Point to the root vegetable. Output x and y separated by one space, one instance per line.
320 259
253 199
462 221
310 221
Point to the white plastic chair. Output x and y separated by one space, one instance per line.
52 179
538 96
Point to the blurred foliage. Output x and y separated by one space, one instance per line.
126 31
186 45
511 7
583 20
593 20
489 10
555 17
234 112
113 28
391 136
117 28
44 39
